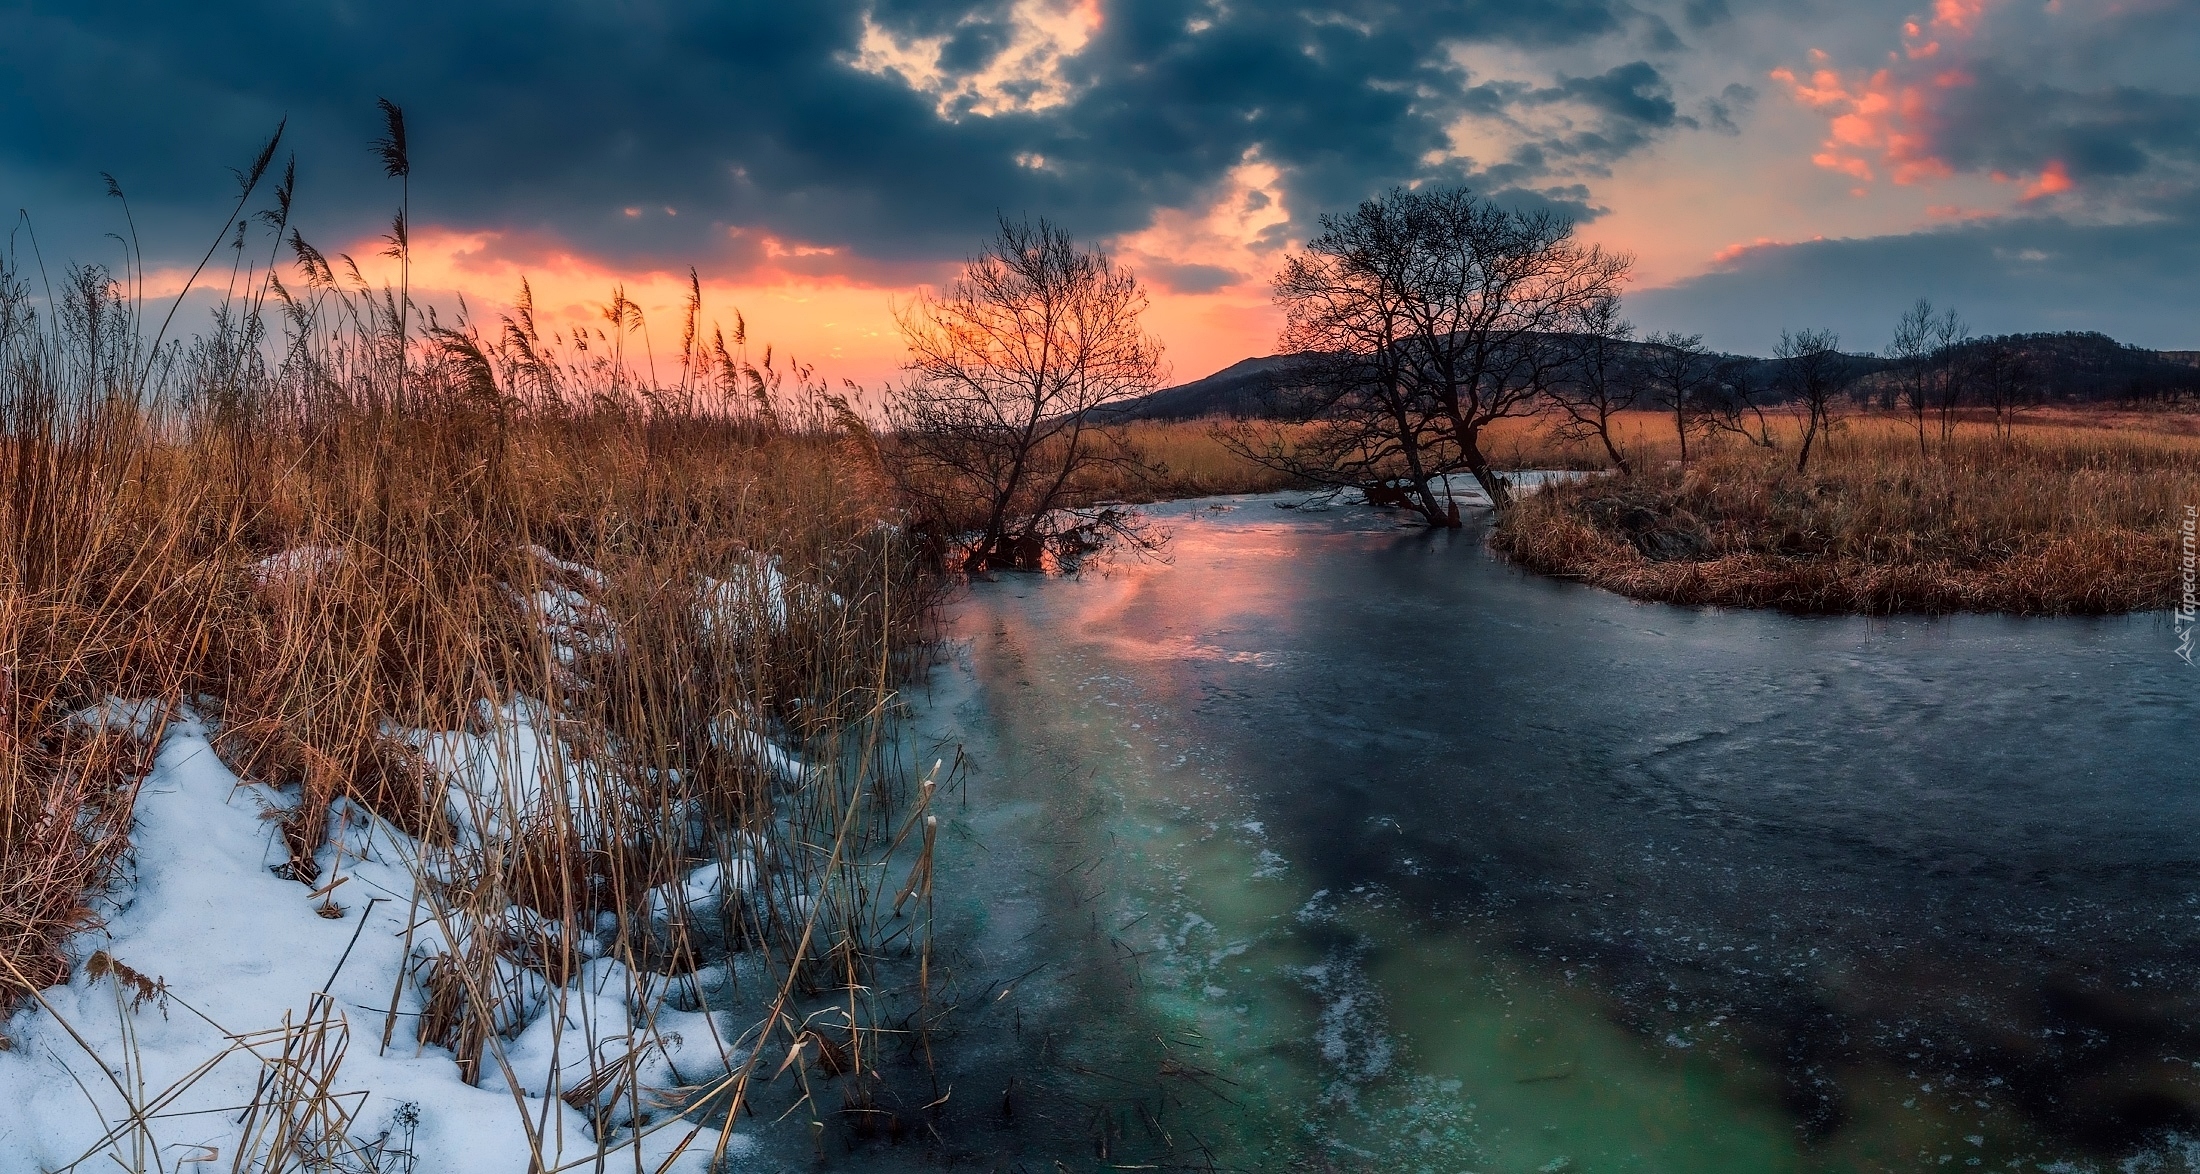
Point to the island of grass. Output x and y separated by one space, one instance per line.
2080 514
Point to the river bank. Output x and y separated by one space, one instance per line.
2046 521
2072 513
438 789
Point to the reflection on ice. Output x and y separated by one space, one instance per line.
1383 854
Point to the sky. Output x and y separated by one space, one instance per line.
1770 165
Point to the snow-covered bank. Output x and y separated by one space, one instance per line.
205 947
580 945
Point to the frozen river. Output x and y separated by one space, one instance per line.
1330 844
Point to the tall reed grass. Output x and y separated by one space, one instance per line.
2054 518
331 534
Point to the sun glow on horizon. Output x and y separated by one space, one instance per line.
840 325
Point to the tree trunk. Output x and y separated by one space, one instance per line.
1431 511
992 541
1810 433
1604 433
1492 484
1424 501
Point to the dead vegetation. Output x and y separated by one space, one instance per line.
2052 520
2067 511
328 532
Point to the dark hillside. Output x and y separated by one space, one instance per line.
2068 367
1244 388
2087 367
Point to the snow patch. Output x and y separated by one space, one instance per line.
212 947
295 565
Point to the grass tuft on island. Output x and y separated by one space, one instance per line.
2056 518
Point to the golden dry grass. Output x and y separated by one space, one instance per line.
317 565
2074 512
134 564
2058 518
134 569
1181 459
1186 458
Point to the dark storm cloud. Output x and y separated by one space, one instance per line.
1633 94
643 132
2103 137
2138 282
1718 114
1602 118
1706 13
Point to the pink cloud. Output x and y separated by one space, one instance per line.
1740 249
1890 120
1880 118
1958 16
2054 178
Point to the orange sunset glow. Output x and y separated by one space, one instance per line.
1731 154
841 326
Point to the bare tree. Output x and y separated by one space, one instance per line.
1006 368
1911 351
1489 294
1951 369
1735 400
2004 382
1926 348
1426 316
1812 371
1678 371
1348 413
1601 379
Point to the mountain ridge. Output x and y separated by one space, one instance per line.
2069 366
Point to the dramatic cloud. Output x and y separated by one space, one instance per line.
895 130
2133 281
2002 90
799 154
2048 156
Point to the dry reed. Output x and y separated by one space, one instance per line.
329 541
2073 512
2051 520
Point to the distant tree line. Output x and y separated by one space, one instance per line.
1413 323
1422 317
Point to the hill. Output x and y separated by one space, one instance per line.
2067 367
2086 366
1244 388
